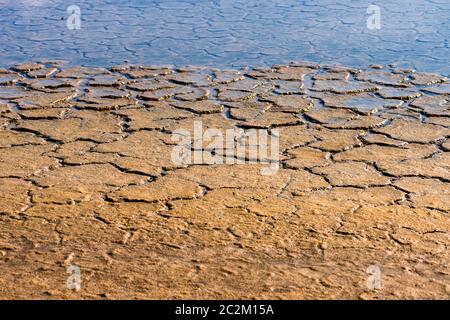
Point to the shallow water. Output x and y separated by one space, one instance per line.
227 33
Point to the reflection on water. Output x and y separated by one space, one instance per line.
227 33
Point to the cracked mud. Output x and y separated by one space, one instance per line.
86 178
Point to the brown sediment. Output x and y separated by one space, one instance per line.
86 178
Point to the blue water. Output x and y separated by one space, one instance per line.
227 33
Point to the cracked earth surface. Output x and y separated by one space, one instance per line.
87 179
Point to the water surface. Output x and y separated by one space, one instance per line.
227 33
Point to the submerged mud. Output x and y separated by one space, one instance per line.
87 179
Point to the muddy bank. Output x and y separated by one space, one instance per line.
88 180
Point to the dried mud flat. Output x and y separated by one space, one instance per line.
86 179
